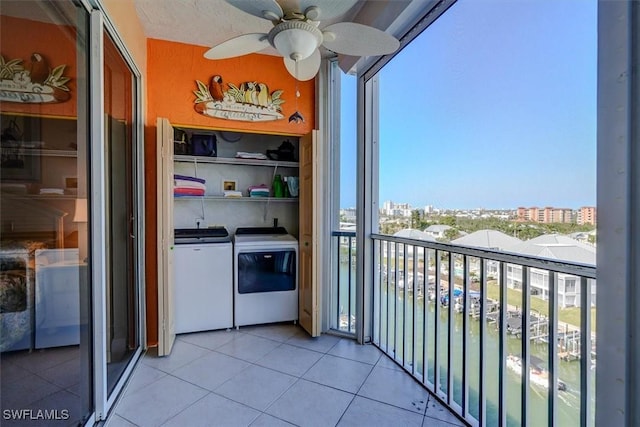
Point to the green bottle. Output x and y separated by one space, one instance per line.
278 186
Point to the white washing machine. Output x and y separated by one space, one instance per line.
265 276
203 287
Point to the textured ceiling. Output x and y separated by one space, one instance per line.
204 22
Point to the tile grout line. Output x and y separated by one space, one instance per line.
178 367
426 405
297 380
124 418
184 409
346 409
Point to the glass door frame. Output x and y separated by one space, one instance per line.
99 25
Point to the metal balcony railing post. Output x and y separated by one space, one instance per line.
525 328
482 411
553 347
349 288
585 352
414 286
338 285
405 267
425 289
395 302
465 338
436 335
502 348
388 275
450 321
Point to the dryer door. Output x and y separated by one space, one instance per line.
268 271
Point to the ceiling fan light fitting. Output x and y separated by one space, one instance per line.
296 40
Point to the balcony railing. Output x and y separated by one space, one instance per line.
483 330
344 291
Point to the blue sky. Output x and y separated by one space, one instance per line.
493 106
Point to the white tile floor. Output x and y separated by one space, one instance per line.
274 375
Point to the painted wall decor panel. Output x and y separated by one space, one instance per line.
34 82
38 71
248 101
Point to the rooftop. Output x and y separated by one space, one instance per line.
490 239
412 233
557 246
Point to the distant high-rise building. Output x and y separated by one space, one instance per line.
396 209
587 215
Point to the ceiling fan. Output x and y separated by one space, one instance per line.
296 34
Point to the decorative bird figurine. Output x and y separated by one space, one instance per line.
264 98
215 88
250 95
38 69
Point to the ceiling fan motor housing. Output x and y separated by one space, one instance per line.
296 40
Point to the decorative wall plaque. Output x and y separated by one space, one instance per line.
35 83
249 102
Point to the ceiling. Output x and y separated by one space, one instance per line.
210 22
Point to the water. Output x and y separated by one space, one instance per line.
402 307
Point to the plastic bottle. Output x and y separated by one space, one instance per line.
286 188
278 187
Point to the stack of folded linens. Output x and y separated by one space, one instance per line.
259 191
184 185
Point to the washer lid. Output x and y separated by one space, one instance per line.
260 230
201 235
264 239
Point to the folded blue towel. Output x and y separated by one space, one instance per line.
189 178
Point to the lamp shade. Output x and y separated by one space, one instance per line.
296 40
80 214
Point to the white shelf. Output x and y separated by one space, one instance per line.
49 153
234 161
40 196
239 199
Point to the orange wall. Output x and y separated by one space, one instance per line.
172 69
125 18
56 43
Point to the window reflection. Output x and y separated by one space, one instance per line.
44 288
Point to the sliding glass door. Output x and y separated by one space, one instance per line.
122 297
46 329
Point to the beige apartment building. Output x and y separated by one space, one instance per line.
587 215
545 215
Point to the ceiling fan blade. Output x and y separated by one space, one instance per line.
354 39
307 68
238 46
325 9
266 9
